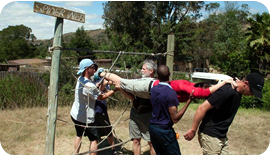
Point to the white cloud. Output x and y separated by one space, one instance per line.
253 11
17 13
92 16
78 3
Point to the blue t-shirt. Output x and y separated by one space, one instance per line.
163 97
101 106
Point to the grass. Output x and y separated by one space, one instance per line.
23 131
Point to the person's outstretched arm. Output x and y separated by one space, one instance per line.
217 86
110 77
128 95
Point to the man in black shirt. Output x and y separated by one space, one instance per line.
218 111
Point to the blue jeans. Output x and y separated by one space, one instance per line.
164 141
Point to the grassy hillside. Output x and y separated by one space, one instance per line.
97 35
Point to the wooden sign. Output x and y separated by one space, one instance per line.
58 12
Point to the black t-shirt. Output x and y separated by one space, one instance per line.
142 105
226 102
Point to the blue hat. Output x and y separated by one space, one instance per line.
96 75
84 64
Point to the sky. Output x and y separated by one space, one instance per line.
21 12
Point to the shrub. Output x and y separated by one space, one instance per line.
266 95
254 102
22 91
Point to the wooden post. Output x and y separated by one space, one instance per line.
170 54
53 88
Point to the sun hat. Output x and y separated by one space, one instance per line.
256 82
96 75
84 64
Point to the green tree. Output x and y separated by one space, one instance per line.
80 41
211 8
229 40
143 26
14 43
258 37
33 37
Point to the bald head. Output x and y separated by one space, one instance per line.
163 73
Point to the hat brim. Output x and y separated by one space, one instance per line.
256 93
80 72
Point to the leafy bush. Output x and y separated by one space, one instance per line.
180 76
19 91
254 102
266 95
251 102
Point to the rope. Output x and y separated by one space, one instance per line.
111 67
118 144
116 52
84 85
83 125
110 132
117 122
54 47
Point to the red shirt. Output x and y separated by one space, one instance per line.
183 89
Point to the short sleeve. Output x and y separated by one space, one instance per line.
173 100
92 90
219 96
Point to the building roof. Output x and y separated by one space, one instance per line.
27 61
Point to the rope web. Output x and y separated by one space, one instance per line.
51 49
85 127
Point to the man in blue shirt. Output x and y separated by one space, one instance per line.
164 103
102 117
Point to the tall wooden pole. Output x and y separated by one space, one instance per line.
53 88
170 54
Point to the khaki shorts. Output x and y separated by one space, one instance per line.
139 125
137 87
212 145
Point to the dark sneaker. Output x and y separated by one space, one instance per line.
114 152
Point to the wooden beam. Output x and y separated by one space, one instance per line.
53 88
170 54
58 12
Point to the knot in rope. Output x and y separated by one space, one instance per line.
51 49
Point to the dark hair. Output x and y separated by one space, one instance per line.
202 85
163 73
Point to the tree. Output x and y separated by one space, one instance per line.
229 39
143 26
211 8
33 37
80 41
258 37
14 43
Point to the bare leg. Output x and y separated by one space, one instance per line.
137 146
152 150
111 141
93 146
77 144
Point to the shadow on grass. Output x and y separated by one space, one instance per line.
119 149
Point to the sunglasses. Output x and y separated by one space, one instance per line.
93 67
